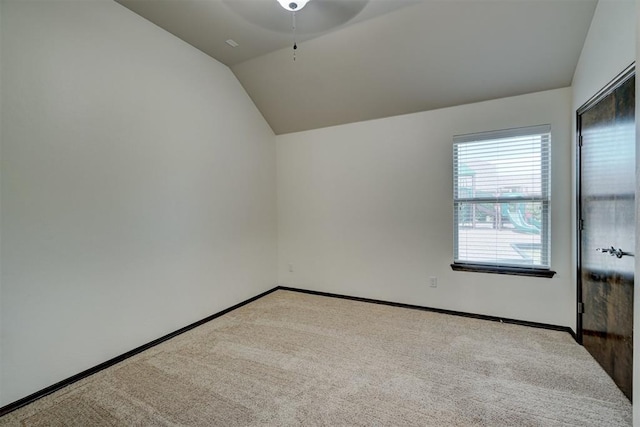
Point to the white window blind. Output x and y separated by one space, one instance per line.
501 196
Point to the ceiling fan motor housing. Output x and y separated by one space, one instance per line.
293 5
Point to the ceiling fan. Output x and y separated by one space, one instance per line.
293 6
312 16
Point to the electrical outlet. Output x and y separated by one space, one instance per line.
433 281
290 268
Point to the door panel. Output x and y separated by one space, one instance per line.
607 210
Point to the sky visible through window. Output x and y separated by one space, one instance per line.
498 165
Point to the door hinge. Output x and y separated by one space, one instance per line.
581 224
580 141
580 308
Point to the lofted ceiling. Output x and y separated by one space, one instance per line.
366 59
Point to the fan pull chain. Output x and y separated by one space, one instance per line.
293 27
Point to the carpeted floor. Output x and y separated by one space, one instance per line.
296 359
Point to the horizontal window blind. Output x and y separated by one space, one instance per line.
501 198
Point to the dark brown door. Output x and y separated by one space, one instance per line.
607 209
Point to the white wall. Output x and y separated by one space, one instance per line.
365 209
137 189
609 48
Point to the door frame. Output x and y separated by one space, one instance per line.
626 74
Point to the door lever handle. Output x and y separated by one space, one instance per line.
614 252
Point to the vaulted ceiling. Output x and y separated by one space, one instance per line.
366 59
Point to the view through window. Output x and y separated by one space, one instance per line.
501 198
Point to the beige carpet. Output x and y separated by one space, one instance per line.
297 359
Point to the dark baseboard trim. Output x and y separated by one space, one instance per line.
437 310
57 386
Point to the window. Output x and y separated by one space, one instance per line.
501 196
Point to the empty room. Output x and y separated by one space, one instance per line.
318 212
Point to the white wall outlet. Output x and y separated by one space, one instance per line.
290 268
433 281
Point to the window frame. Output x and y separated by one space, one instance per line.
544 199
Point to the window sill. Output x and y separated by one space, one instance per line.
515 271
